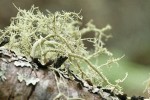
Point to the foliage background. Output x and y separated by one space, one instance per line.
130 21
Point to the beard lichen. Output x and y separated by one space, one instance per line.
34 34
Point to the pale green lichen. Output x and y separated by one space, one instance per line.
3 67
34 34
27 78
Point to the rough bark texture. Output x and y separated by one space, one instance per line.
45 89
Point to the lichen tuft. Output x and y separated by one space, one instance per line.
33 34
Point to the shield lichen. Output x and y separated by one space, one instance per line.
3 66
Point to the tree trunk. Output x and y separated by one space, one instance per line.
49 87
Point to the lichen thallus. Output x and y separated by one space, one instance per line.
56 63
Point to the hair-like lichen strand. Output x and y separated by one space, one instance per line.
46 36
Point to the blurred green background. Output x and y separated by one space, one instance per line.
130 21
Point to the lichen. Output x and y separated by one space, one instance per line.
46 36
28 79
3 67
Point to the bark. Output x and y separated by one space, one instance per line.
46 89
